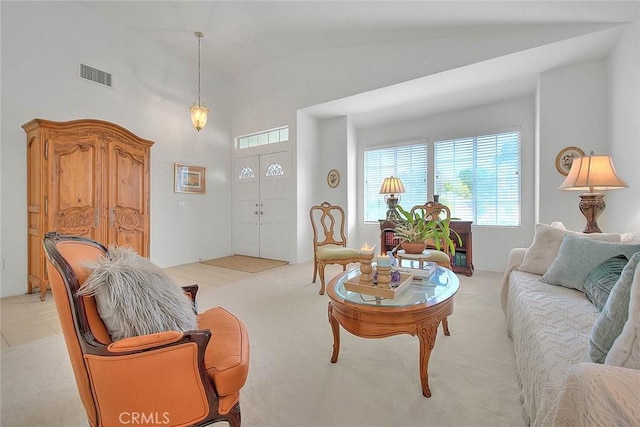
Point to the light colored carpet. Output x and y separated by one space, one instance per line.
291 380
245 263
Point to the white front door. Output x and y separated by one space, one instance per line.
274 205
261 194
246 193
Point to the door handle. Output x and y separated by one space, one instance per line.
255 212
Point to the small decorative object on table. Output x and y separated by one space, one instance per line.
381 283
366 257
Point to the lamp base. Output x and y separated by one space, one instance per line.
392 202
592 205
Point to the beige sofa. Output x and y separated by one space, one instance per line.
551 326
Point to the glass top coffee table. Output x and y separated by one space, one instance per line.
417 310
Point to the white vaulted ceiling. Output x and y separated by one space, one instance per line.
241 36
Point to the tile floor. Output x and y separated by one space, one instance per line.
24 318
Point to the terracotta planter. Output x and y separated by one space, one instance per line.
414 248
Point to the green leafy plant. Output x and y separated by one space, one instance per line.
415 227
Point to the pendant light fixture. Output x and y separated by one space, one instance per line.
198 111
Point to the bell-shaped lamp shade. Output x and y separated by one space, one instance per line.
199 116
592 173
392 185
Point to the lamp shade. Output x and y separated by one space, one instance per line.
392 185
592 173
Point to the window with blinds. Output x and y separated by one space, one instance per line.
262 138
409 163
478 178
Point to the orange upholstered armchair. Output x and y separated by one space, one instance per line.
169 378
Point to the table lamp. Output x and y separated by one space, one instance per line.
592 173
390 188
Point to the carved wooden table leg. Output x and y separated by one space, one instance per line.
427 335
445 326
335 328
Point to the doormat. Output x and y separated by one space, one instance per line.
248 264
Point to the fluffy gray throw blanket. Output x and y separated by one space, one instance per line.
135 297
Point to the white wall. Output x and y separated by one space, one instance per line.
151 97
332 154
306 153
573 112
490 244
623 206
153 90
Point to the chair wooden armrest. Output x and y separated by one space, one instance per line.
192 290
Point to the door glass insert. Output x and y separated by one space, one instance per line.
246 172
274 169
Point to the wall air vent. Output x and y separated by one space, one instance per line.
95 75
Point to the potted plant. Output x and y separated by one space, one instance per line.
415 231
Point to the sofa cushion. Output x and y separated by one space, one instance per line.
625 350
135 297
611 320
601 279
578 256
546 243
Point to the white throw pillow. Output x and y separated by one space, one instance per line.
625 350
546 243
135 297
631 237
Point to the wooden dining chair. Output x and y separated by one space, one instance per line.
434 211
329 240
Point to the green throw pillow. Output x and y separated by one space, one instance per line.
599 282
611 320
578 256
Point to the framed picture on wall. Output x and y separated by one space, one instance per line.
189 178
565 157
333 178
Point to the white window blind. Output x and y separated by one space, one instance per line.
409 163
478 178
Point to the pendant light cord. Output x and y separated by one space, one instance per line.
199 35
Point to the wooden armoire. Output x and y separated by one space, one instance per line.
86 178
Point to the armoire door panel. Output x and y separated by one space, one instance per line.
129 193
73 204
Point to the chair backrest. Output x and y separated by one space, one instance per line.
81 324
433 211
328 222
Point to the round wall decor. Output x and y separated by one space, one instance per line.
565 157
333 178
